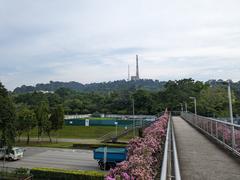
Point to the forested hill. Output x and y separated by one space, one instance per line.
146 84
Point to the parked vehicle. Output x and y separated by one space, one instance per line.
110 156
14 153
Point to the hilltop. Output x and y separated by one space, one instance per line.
52 86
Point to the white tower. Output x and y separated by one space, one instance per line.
137 69
128 73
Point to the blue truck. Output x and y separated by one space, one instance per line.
109 157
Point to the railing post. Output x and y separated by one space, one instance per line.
211 128
224 133
233 137
216 130
207 129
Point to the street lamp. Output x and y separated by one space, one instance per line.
181 107
133 111
185 106
195 104
116 124
231 113
230 102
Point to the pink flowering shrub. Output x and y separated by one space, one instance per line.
144 154
237 139
225 135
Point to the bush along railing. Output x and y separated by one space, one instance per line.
223 132
144 154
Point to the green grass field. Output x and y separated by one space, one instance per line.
80 132
45 144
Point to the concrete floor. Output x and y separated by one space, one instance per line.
199 158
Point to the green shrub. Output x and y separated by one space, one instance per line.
61 174
22 172
93 146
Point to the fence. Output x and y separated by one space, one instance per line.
225 133
81 122
170 166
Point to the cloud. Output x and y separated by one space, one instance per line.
90 41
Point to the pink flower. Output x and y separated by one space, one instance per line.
143 153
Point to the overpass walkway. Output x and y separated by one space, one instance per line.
199 158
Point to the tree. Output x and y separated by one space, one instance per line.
7 118
43 122
57 118
26 121
213 101
143 102
179 91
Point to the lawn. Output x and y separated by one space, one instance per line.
45 144
80 132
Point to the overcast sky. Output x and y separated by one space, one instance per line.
95 40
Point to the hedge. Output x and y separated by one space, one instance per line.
94 146
61 174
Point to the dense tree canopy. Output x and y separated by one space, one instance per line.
7 118
211 99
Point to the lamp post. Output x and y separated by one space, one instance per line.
181 107
116 124
231 113
133 111
186 107
195 104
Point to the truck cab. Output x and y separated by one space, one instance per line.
14 153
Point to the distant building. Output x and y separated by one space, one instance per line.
46 92
135 78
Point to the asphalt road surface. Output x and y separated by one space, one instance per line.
55 158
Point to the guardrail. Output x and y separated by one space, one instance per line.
170 164
225 133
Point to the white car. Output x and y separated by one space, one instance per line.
14 154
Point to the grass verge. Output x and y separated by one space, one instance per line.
68 145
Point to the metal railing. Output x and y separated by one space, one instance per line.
225 133
170 164
113 135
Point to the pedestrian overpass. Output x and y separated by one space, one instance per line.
201 148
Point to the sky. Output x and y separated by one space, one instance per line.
95 40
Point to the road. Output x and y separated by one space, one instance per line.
55 158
